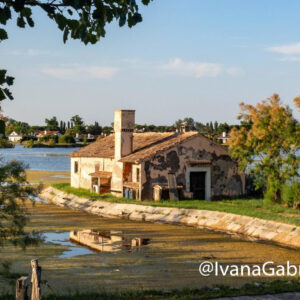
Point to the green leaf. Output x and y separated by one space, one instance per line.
8 94
2 76
30 21
3 35
9 80
5 15
122 20
26 12
61 21
20 22
2 95
66 33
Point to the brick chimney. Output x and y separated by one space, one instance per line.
124 121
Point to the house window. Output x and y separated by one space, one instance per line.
137 175
76 167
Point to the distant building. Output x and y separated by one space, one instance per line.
44 133
137 165
89 136
15 137
224 137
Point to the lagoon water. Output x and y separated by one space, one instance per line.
41 159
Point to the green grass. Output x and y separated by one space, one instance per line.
274 287
246 207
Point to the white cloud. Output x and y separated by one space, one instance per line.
195 69
31 52
290 58
235 72
78 72
36 52
288 49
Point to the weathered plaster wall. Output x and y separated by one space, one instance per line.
117 179
225 178
87 165
284 234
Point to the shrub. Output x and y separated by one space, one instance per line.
29 144
51 142
48 138
4 143
291 194
66 139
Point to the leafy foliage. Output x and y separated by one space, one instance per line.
5 81
297 101
66 139
267 148
51 124
14 189
4 143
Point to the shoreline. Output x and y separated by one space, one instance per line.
258 229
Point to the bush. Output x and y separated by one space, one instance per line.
48 138
29 144
290 194
51 142
66 139
4 143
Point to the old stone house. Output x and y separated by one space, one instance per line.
138 164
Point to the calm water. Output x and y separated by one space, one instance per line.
47 159
63 238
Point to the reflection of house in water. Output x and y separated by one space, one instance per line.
106 241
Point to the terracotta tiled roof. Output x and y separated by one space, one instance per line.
105 147
163 145
48 132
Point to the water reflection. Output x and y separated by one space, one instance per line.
107 241
88 241
62 238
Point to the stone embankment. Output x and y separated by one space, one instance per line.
280 233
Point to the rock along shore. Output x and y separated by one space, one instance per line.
280 233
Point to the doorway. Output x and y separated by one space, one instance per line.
197 185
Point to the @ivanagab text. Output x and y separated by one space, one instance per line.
267 269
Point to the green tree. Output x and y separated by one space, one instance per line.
94 129
78 121
51 124
267 148
13 214
84 20
78 124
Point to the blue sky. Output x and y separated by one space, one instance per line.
196 58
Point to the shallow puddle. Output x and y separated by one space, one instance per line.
63 238
88 241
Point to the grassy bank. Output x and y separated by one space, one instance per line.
246 207
217 291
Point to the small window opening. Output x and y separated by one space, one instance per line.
76 167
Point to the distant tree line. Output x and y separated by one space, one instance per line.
76 126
